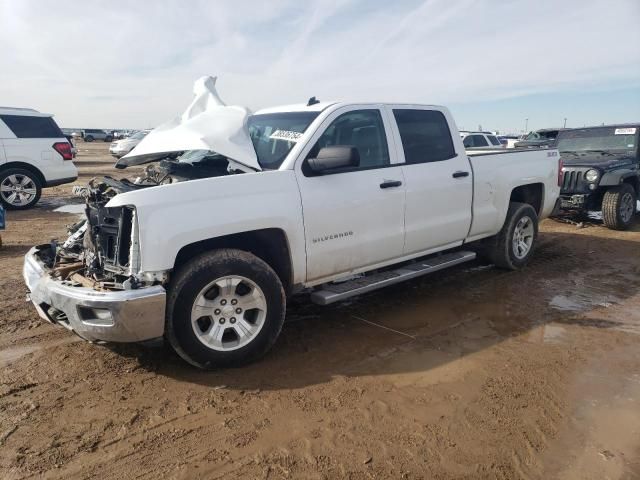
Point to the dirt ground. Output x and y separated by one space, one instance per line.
486 374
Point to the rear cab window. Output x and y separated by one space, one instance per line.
25 126
425 135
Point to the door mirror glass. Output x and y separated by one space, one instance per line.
334 157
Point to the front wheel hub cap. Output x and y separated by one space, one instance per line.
233 297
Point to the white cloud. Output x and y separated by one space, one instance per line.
117 63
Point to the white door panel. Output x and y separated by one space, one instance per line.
350 222
438 206
437 174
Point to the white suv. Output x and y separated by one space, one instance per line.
480 141
34 154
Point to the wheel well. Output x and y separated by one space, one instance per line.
26 166
635 183
269 245
531 194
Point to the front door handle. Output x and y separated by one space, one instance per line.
390 183
460 174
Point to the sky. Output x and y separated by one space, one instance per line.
499 64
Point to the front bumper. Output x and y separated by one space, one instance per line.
110 316
574 202
119 151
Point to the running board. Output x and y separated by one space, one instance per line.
334 292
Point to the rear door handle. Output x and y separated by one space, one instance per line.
460 174
390 183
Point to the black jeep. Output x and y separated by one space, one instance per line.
601 171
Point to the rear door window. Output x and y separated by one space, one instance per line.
425 135
32 127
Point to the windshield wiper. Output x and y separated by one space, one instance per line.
562 152
603 152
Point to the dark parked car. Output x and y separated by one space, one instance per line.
539 139
601 171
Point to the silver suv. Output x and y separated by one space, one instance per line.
94 134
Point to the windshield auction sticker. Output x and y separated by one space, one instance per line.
625 131
286 135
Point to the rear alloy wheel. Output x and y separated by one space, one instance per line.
224 308
514 245
619 206
88 138
19 189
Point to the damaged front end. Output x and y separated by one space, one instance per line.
102 250
89 283
93 283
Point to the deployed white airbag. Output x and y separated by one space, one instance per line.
207 124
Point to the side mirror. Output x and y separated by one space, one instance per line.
337 156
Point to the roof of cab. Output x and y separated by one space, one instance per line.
320 106
298 107
616 125
25 112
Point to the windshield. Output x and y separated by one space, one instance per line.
605 139
195 156
548 135
274 135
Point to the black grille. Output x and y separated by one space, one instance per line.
574 182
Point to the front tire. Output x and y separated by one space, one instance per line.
619 206
20 189
224 309
513 246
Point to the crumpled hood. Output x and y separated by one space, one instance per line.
207 124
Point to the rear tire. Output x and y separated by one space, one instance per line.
20 188
205 323
619 207
88 138
513 246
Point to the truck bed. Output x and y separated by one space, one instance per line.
497 174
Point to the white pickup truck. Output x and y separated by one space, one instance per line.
330 199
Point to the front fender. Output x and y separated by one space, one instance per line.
616 177
175 215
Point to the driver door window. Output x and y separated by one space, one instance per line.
362 129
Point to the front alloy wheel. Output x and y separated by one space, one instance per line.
225 308
228 313
619 206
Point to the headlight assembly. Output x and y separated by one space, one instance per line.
591 175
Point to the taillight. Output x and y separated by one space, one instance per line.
64 149
560 172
